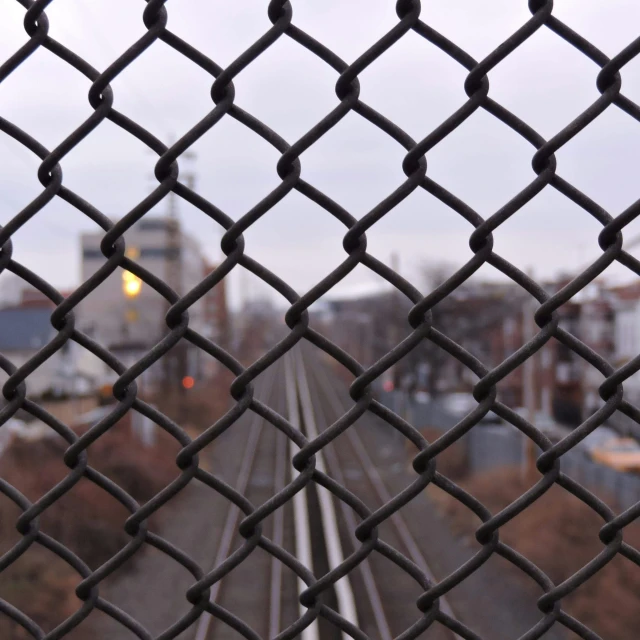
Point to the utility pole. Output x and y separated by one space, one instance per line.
394 371
176 360
529 382
395 330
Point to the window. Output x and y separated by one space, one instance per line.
509 327
545 358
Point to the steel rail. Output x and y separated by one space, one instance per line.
233 513
300 505
275 586
335 554
371 589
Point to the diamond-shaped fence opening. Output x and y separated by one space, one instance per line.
231 426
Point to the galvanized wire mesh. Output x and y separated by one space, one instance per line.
414 165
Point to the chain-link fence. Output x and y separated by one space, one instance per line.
180 331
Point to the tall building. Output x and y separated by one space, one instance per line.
215 310
127 315
627 347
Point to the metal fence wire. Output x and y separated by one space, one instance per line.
425 463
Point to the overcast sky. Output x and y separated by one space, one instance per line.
545 82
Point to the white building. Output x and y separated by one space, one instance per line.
23 332
627 335
128 316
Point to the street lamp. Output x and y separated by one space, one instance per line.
131 284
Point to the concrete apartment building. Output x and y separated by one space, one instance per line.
565 386
127 315
627 345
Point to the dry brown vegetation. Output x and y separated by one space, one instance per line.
86 519
560 535
452 462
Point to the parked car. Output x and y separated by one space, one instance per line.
421 397
459 404
621 454
596 439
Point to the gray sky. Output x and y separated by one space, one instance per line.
545 82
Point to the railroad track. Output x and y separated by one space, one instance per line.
263 593
256 590
314 526
318 541
390 602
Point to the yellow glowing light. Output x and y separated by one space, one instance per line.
131 284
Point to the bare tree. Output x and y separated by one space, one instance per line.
427 362
469 315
